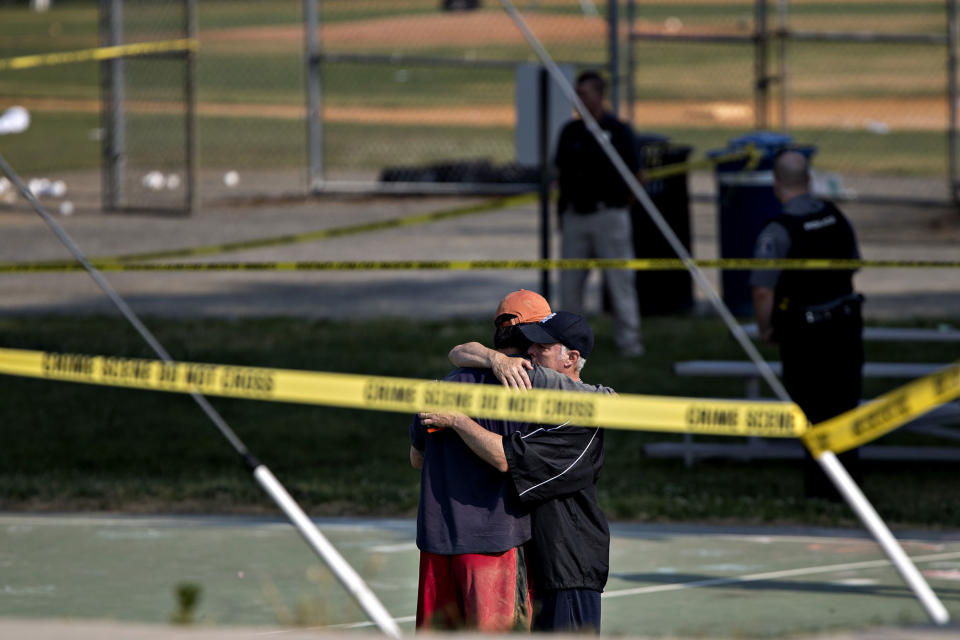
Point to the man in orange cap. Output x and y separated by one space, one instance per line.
553 470
471 524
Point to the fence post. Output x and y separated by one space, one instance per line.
631 60
190 95
544 138
314 123
783 26
952 97
761 82
614 36
111 110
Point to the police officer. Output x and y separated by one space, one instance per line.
594 208
814 315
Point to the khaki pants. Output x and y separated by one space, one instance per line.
604 234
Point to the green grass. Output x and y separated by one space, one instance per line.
71 446
54 142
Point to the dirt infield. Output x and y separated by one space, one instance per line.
439 30
912 114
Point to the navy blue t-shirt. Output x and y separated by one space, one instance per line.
466 506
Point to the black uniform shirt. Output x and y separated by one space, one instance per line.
774 239
586 175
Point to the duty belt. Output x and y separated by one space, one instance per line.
844 307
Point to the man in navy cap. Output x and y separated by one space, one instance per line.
554 471
471 525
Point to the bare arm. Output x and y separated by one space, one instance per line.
487 445
512 372
763 309
416 458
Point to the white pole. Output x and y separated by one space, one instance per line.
349 578
871 520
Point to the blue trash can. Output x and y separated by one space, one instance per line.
745 203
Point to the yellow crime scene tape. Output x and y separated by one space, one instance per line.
100 53
406 395
885 413
638 264
753 155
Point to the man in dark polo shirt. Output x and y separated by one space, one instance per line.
470 522
594 211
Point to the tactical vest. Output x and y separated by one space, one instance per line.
823 234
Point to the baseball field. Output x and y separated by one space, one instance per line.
871 108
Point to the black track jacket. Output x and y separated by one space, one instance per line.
554 471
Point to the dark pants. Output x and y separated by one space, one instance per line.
575 610
822 372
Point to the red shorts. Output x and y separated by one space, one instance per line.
482 591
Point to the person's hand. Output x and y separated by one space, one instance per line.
766 336
437 421
512 372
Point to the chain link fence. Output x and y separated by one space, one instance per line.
871 84
58 153
414 91
146 100
250 98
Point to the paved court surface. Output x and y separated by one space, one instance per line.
676 580
886 232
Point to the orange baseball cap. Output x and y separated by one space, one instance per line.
524 306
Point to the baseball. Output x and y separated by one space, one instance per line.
153 180
231 178
66 208
38 186
14 120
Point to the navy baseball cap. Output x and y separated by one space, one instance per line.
569 329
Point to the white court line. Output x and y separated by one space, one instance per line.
756 577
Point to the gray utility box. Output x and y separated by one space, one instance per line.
559 111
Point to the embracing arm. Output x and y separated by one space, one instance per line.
416 458
512 372
763 309
487 445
